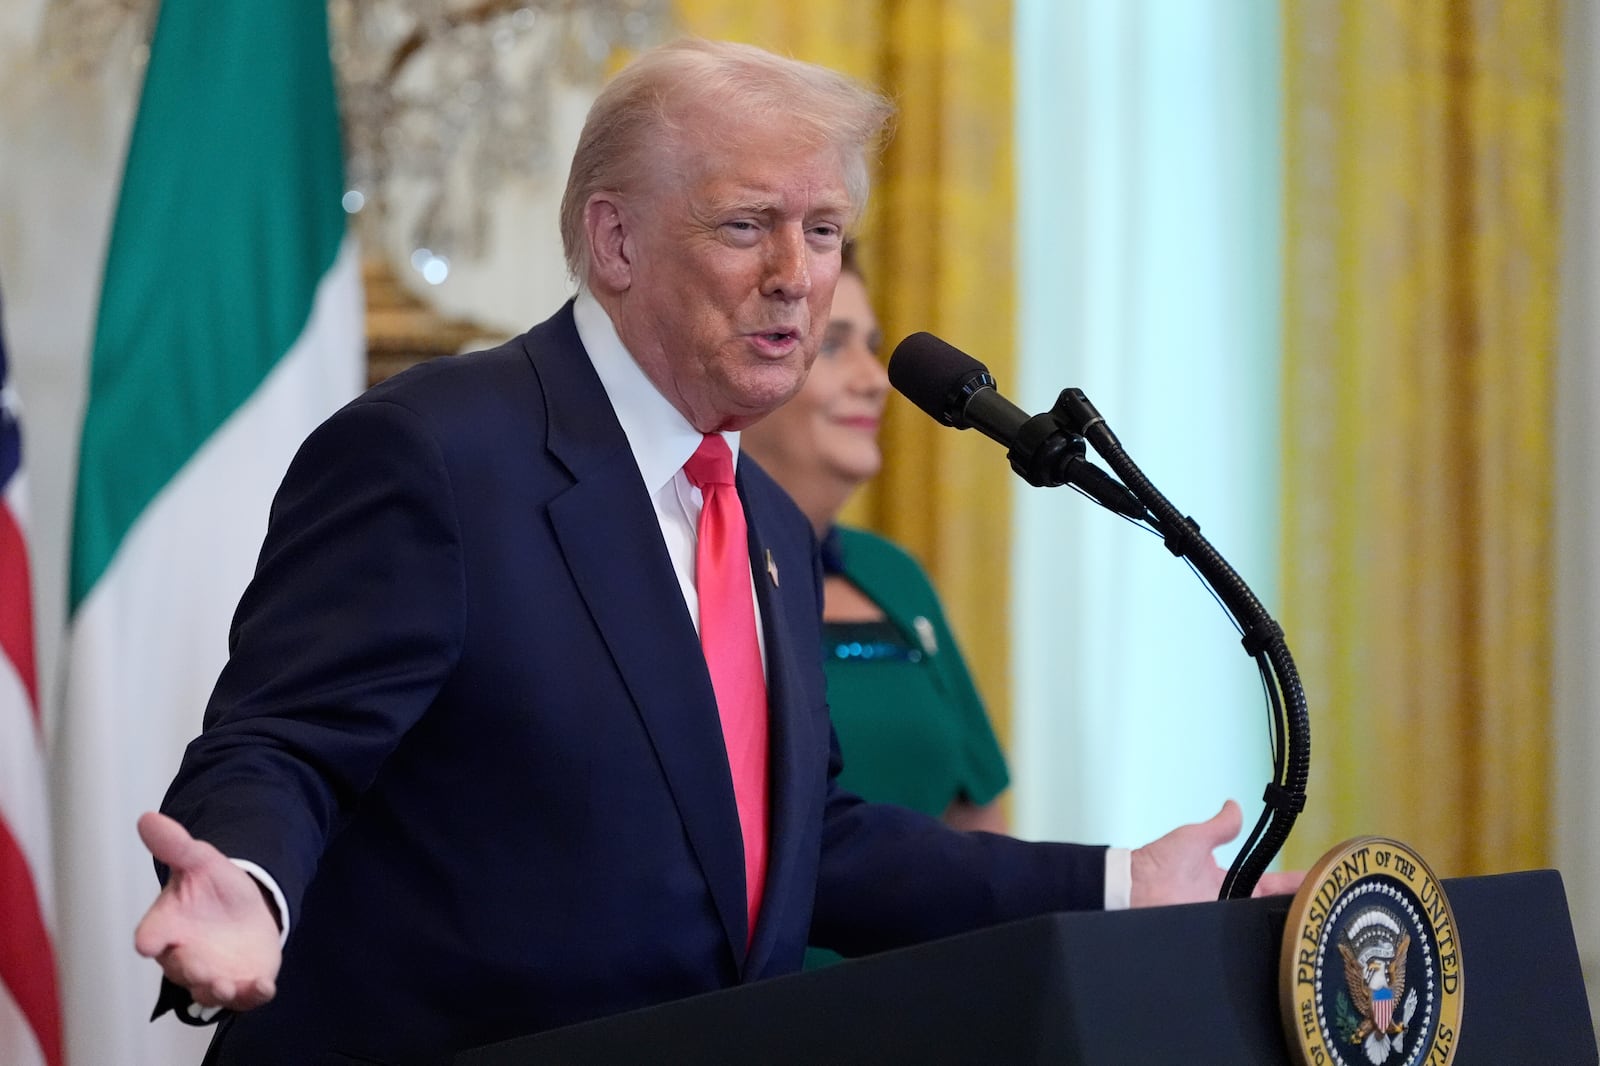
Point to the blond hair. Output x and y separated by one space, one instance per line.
648 107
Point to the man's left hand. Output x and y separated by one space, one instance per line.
1180 867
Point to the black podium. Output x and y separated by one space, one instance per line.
1182 985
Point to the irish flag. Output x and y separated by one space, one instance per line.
230 324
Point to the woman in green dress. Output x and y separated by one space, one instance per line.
911 725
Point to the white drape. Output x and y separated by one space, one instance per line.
1577 592
1148 153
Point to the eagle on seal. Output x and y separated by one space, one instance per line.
1376 987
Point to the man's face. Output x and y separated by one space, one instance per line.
731 273
823 443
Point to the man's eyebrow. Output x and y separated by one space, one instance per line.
758 203
755 204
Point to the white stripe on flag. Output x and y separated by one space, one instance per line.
22 786
16 500
145 648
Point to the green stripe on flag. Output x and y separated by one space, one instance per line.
228 218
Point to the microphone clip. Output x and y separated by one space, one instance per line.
1048 452
1043 452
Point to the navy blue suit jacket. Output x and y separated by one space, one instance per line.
467 727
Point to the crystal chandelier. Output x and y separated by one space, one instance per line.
445 100
442 100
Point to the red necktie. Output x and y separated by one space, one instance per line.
733 655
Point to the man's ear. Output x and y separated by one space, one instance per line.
610 251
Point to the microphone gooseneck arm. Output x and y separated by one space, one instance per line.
1048 450
1263 641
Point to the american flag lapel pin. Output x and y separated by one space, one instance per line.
772 569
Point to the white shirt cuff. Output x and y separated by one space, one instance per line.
265 880
199 1013
1119 879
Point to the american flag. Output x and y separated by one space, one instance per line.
30 1011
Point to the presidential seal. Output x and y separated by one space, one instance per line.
1370 972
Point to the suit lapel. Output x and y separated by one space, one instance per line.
607 529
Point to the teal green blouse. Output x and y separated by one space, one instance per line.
911 725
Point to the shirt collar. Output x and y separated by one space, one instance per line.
662 440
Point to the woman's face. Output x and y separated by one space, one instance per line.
829 431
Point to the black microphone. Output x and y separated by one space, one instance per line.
959 391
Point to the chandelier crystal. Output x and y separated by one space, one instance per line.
443 101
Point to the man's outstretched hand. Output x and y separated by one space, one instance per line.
1179 867
210 929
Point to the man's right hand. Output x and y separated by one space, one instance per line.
210 929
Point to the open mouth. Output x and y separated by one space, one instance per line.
776 342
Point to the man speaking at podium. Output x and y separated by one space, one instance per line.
524 718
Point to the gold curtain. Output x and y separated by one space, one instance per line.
1422 162
937 251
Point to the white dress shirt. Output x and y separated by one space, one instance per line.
662 441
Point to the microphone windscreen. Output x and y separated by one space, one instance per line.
933 374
